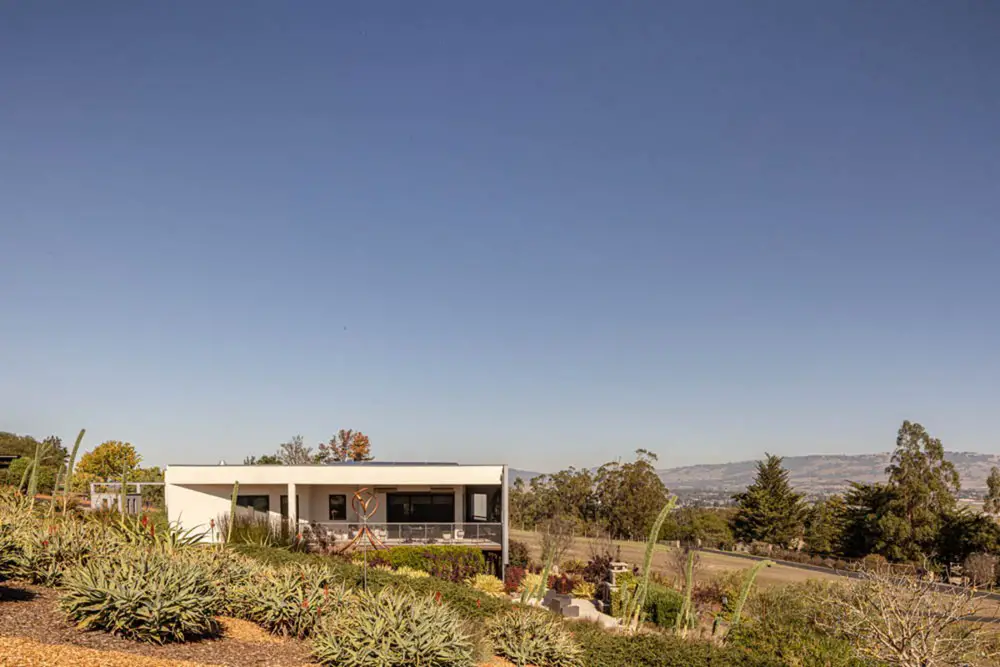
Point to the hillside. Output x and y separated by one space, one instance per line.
820 472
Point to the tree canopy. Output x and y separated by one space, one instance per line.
769 510
346 445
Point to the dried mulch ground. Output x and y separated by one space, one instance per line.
34 633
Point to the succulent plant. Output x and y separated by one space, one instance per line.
534 637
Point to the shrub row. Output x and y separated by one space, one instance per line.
452 563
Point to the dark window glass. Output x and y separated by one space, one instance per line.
338 508
420 508
483 503
258 503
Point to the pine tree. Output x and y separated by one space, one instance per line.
824 525
769 510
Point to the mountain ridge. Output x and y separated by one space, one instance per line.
812 473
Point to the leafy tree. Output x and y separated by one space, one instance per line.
868 524
264 459
709 526
347 445
992 502
630 495
107 460
824 525
295 452
925 485
105 463
964 533
24 446
769 510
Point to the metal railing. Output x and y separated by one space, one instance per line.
419 533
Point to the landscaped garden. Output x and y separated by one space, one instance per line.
91 588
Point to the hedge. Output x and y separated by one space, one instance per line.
453 563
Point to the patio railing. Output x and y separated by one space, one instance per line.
485 534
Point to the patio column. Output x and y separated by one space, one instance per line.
293 510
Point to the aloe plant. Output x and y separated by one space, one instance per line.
69 470
634 608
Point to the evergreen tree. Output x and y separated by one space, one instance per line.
925 485
769 510
824 525
630 496
992 502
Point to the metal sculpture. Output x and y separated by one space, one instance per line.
365 504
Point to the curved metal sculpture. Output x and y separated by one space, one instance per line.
365 504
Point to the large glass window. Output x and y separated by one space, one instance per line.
483 503
420 507
338 508
258 503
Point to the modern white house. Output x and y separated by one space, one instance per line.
414 503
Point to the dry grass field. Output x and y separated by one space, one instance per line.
710 564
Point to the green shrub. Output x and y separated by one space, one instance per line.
662 605
781 622
453 563
141 595
517 554
470 603
257 529
573 566
394 629
533 637
290 602
50 549
486 583
653 649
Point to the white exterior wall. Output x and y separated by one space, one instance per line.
197 494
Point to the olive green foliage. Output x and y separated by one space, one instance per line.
991 503
141 595
656 649
256 529
685 617
769 510
630 496
454 563
585 590
25 447
15 522
782 622
749 579
68 479
533 637
709 526
289 602
394 629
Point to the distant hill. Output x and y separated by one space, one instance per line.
820 473
513 475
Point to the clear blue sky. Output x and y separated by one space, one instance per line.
539 233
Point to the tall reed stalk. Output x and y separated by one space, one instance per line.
634 610
69 470
748 582
232 511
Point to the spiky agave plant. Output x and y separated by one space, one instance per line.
533 637
392 628
634 609
69 470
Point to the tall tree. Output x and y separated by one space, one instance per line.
630 495
992 503
769 510
106 462
926 485
262 460
295 452
346 445
824 525
24 446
